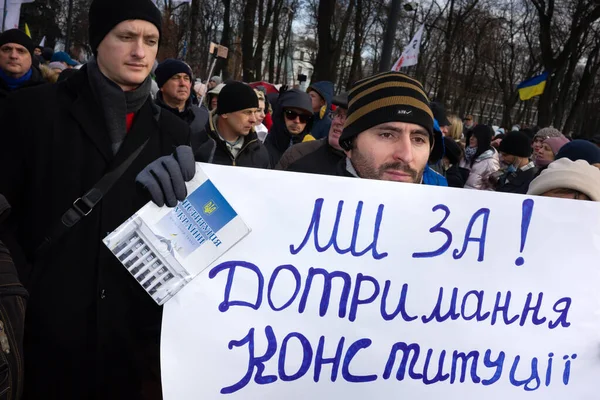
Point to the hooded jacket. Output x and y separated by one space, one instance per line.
484 166
322 122
279 138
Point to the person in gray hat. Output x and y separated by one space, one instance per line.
91 330
319 156
213 82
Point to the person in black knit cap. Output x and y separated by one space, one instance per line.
229 137
515 150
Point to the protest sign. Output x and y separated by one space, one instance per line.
356 289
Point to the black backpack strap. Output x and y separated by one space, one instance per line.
84 205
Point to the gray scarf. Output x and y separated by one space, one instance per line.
116 103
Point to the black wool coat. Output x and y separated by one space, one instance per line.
91 330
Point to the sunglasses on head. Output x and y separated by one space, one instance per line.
292 115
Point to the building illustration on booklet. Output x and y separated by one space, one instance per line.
164 249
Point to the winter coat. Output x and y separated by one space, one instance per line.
13 300
516 182
457 176
91 332
322 122
196 117
279 138
484 166
35 80
214 150
314 157
433 178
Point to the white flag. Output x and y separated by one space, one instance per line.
43 42
410 55
13 13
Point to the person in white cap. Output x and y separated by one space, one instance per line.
568 179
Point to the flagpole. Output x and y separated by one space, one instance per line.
4 15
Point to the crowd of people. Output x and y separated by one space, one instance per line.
83 147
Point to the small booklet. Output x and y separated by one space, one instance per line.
165 248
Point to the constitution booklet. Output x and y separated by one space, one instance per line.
165 248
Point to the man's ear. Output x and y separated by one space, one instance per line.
225 116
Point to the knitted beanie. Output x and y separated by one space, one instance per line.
104 15
19 37
388 97
580 150
236 96
516 144
556 143
170 67
566 174
548 132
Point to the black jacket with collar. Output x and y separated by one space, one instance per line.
91 330
516 182
195 116
213 149
314 157
35 80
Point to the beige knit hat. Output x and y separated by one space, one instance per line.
566 174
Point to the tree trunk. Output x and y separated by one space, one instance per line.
325 58
585 85
339 43
248 67
193 55
446 56
355 69
262 34
273 44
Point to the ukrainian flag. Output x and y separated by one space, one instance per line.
532 87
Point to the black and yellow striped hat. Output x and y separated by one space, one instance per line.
386 97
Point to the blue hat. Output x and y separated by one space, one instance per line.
580 150
63 57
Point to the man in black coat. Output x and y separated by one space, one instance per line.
515 150
229 137
16 64
174 79
319 156
91 330
292 122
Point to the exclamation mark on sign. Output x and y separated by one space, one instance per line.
525 220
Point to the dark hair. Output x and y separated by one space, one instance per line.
483 134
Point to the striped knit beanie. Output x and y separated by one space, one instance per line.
385 97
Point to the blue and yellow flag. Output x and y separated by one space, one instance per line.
532 87
27 31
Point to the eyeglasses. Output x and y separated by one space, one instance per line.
338 114
292 115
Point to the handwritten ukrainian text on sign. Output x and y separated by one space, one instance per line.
355 289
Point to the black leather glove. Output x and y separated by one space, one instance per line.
165 177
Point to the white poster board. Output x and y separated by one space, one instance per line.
529 331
